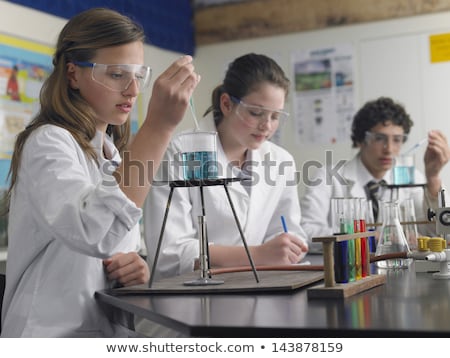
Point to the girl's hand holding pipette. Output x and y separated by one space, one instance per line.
167 106
172 92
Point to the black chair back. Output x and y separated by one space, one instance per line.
2 291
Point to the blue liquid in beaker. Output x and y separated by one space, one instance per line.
199 165
403 175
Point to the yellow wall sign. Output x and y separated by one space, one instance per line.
440 48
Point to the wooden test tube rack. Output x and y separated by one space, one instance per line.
331 289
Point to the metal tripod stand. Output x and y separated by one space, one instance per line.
205 277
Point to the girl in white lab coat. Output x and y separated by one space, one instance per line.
247 108
74 205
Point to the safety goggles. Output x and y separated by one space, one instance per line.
383 139
254 116
119 77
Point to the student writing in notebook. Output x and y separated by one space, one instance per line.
246 110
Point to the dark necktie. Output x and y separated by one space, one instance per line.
372 193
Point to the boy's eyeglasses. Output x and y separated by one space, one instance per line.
118 77
383 139
254 116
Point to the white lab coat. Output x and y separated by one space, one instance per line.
273 193
66 215
349 182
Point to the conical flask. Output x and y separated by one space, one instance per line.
392 238
408 215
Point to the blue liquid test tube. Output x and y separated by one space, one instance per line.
341 269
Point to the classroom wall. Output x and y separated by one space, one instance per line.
391 58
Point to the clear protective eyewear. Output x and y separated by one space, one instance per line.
254 116
118 77
383 139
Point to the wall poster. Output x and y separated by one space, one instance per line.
24 65
324 94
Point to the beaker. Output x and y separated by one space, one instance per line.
199 155
403 170
392 239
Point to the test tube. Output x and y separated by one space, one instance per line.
341 271
365 258
370 226
357 228
349 214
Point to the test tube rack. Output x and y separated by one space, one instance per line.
331 289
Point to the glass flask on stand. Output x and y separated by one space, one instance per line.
392 239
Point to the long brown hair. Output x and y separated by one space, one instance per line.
63 106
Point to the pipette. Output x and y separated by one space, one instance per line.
416 146
191 105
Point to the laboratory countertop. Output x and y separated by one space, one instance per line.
409 304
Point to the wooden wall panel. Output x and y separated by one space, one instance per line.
260 18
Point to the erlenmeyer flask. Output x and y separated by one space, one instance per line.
392 238
410 229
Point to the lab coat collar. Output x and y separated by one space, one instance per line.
355 172
103 143
350 173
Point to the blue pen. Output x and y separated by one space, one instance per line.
283 221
